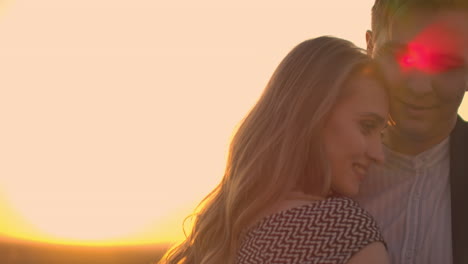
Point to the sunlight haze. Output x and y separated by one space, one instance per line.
116 115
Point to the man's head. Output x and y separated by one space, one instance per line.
385 12
423 48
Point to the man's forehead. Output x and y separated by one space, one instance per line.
443 31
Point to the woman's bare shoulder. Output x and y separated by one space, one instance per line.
373 253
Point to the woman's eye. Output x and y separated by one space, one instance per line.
367 126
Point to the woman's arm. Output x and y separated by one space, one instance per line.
374 253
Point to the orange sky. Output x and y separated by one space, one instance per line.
116 115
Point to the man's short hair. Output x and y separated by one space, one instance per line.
384 11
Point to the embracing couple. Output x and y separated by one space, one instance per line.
350 155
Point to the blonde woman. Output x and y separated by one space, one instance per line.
297 156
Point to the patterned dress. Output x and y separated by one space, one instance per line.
329 231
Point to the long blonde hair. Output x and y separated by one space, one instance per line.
277 148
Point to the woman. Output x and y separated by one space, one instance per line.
303 148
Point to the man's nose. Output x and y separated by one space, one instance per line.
418 83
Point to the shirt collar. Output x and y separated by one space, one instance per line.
426 159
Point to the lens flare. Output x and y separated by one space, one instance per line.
437 49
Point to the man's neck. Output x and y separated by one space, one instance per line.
410 145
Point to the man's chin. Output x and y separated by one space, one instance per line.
412 129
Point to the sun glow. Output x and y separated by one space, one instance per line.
102 231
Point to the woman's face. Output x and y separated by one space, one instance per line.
352 134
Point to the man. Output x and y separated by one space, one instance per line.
419 197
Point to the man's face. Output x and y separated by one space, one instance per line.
424 56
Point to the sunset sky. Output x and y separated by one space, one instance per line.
116 115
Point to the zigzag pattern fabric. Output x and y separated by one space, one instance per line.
329 231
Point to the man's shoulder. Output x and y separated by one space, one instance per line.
459 136
461 126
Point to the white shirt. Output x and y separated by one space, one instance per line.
409 196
